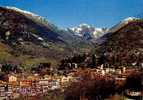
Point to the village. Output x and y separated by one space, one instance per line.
30 85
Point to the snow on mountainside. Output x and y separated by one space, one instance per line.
23 11
122 24
115 28
35 17
88 32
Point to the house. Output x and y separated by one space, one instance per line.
12 79
55 85
124 70
65 80
43 82
103 72
118 71
25 83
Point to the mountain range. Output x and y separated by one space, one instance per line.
27 38
88 32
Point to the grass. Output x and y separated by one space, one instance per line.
26 61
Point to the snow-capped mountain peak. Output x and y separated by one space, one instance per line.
35 17
30 15
87 31
129 19
84 25
122 24
25 12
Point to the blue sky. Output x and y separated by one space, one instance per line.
69 13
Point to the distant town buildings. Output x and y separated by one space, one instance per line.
35 84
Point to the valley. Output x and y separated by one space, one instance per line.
40 60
